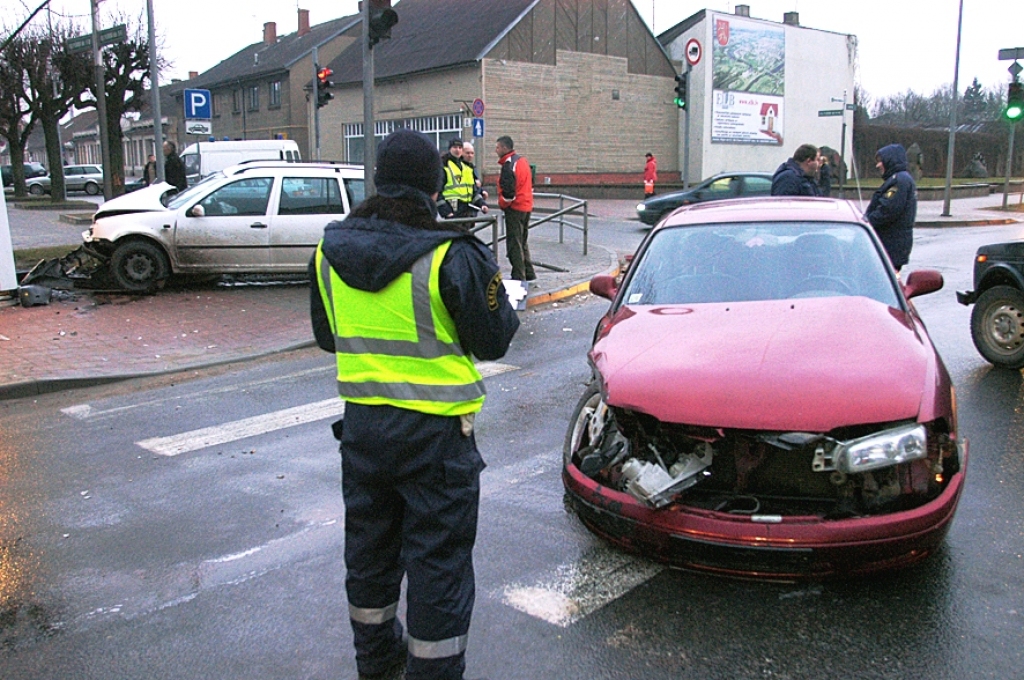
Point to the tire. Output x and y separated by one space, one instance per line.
139 266
36 189
997 326
92 188
580 432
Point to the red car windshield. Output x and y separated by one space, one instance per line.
759 261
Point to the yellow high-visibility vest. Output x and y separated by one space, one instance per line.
459 182
399 345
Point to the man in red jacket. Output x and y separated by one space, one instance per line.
515 197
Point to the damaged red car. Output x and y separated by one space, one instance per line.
765 401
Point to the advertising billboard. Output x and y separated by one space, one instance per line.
748 81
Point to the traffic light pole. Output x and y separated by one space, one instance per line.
316 103
101 100
686 133
1009 165
369 139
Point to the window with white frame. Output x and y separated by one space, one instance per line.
438 128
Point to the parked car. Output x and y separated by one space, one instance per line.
997 320
765 400
87 178
719 187
260 217
31 170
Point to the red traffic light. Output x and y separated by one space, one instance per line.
324 73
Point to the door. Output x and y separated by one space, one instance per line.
233 233
305 206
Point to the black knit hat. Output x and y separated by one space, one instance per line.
409 158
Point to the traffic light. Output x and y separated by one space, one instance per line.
682 88
382 18
1014 101
323 84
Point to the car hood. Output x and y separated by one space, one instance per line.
143 200
785 365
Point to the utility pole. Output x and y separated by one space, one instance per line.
101 99
154 84
947 194
369 139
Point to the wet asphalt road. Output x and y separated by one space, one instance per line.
224 561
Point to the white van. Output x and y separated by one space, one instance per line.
206 158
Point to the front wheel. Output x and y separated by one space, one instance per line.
36 189
139 266
997 326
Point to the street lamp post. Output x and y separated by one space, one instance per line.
947 194
101 100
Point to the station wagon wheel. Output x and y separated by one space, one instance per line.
92 188
36 189
139 266
997 326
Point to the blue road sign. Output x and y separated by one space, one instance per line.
478 127
198 105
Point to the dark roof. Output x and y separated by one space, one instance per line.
260 59
434 34
667 37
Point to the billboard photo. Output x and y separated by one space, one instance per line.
748 81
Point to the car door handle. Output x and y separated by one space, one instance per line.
257 225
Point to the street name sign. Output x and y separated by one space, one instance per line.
830 112
108 36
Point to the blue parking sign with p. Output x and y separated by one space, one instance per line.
198 104
478 127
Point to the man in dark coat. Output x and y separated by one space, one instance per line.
174 169
404 303
795 177
893 207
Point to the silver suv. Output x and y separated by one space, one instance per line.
262 217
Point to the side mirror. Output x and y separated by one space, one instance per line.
197 211
922 282
604 286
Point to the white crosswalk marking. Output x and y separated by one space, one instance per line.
582 587
194 440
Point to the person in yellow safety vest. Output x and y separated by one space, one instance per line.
459 184
404 302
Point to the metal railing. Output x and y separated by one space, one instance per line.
568 206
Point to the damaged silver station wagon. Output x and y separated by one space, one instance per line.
264 217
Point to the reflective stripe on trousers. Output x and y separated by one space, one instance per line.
373 617
440 649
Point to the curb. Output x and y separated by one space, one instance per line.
968 223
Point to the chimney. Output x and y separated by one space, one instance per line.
303 22
743 10
193 74
269 33
791 18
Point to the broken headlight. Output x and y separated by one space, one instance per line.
882 449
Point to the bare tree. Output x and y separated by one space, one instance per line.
16 119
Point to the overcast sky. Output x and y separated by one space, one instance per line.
903 44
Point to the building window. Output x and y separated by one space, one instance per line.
275 94
254 98
439 128
236 105
214 109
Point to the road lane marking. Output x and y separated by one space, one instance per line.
225 433
580 588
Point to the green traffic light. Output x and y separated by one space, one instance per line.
680 103
1014 112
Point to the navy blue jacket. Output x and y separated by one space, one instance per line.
893 207
791 180
369 253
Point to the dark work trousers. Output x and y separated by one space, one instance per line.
411 483
516 247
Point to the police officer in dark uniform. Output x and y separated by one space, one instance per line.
404 302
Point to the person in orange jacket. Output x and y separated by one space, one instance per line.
650 175
515 197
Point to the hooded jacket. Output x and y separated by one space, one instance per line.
893 207
791 180
368 253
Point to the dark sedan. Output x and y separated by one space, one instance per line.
721 186
765 399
